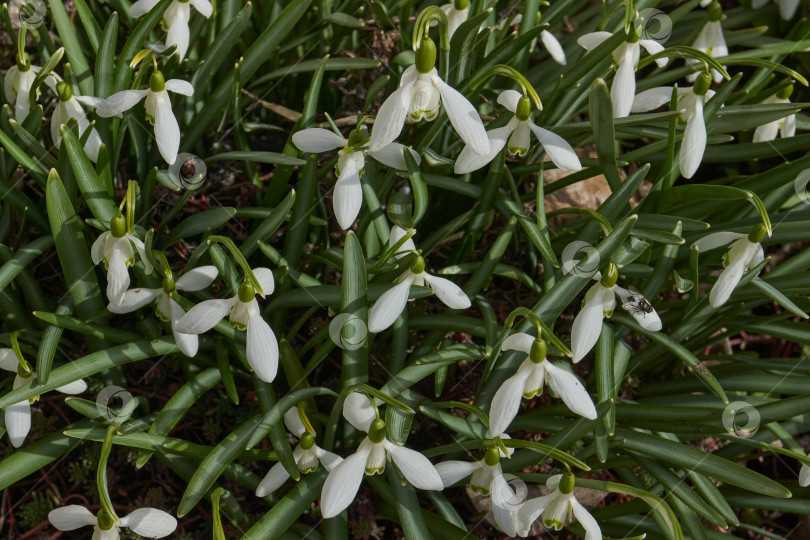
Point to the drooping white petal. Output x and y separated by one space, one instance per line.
197 279
448 292
529 511
504 505
804 476
265 278
506 402
787 8
262 349
358 411
204 7
8 360
18 422
571 391
141 249
134 299
510 99
141 7
328 459
553 47
653 47
469 161
119 102
415 467
593 40
273 480
588 323
390 305
348 195
150 522
518 342
453 471
179 86
293 422
317 140
391 117
463 116
730 277
75 387
178 33
188 343
117 277
393 156
788 127
651 99
557 148
397 233
68 518
766 132
205 315
97 249
716 240
624 87
167 131
592 530
343 481
694 142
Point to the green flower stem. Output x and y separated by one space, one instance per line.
239 258
101 472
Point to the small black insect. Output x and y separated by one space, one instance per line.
637 303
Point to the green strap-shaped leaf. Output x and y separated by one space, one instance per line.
601 108
98 196
352 329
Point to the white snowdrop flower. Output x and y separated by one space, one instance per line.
69 107
166 308
391 303
457 12
515 135
348 196
18 415
420 94
552 45
243 313
175 19
307 456
557 508
600 302
787 8
690 103
158 110
114 247
711 41
374 451
146 522
804 476
745 252
626 57
786 127
528 382
17 86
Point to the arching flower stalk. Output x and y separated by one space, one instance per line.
626 57
18 415
307 455
420 94
745 252
516 136
348 195
710 40
600 302
243 313
529 380
175 19
374 451
391 303
166 308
